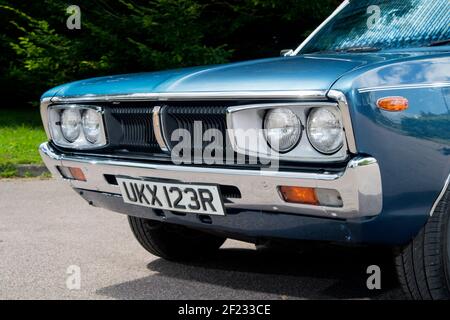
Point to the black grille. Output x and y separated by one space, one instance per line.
197 120
130 125
133 128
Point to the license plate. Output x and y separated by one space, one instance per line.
202 199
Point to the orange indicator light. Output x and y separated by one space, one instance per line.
77 174
299 195
393 104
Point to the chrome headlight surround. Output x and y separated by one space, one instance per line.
83 141
242 119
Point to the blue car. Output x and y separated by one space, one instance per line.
344 140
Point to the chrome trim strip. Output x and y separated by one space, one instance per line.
361 162
405 86
359 184
158 129
275 105
317 30
340 98
441 195
44 115
201 95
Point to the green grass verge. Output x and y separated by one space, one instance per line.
21 133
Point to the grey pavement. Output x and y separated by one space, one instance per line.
45 228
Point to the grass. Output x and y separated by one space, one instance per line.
21 133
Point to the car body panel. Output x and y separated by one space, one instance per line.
413 146
302 73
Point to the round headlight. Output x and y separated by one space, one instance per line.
324 130
282 129
91 125
71 124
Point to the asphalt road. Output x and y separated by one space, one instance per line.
45 228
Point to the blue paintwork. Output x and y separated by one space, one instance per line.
306 72
412 147
310 72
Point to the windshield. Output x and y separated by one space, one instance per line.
384 24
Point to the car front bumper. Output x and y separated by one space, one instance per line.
359 184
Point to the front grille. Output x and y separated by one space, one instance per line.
130 134
130 126
197 121
132 129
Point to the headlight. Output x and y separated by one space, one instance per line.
282 129
71 124
76 126
91 125
325 130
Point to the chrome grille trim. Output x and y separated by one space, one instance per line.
198 96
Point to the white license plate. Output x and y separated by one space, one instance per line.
202 199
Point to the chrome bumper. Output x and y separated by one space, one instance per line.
359 184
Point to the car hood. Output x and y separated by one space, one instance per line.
308 72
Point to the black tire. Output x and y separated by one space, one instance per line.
423 266
173 242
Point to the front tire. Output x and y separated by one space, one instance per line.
423 266
172 242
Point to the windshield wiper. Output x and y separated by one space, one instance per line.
439 43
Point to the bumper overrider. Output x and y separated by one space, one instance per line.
359 185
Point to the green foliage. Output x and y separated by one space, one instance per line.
121 36
21 133
43 53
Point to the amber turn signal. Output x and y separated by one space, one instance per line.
299 195
393 104
72 173
77 174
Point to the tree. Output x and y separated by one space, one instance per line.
124 36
